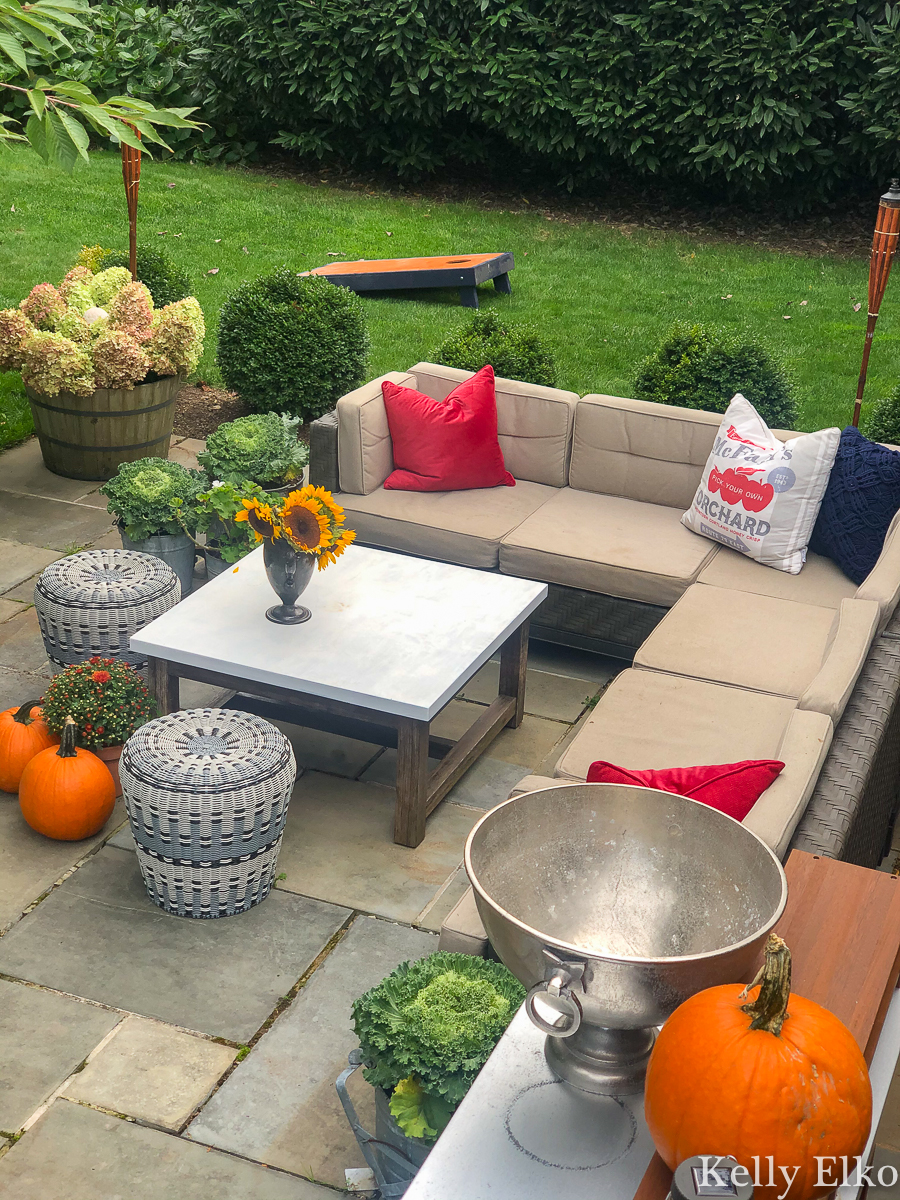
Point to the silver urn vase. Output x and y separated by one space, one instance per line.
289 571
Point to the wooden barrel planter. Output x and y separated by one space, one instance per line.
89 437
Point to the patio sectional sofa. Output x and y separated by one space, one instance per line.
731 660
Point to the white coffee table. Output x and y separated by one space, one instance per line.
391 641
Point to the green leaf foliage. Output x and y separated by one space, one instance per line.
154 496
436 1020
753 96
262 448
418 1113
166 281
883 424
292 343
514 351
698 367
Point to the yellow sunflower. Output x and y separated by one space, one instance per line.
332 553
326 499
306 525
263 521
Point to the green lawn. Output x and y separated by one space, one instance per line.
602 298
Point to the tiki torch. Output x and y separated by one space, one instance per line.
131 173
884 243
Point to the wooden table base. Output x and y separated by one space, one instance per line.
419 790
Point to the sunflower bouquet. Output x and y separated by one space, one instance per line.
308 521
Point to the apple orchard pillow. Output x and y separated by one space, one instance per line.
445 445
759 495
732 788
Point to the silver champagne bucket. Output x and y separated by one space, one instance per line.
614 904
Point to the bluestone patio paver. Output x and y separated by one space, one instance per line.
21 644
99 936
20 561
436 913
153 1072
78 1153
317 750
579 664
10 608
338 841
43 1038
31 863
185 451
487 782
280 1105
384 768
534 738
56 524
558 697
18 686
24 471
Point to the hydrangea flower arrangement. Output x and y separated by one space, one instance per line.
98 330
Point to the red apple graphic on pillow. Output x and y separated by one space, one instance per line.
735 486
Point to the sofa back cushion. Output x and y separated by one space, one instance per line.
534 423
882 584
365 458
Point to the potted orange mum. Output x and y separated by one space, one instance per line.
303 530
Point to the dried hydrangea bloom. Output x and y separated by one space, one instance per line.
119 362
51 363
131 311
14 329
177 342
73 326
107 284
78 275
79 296
43 306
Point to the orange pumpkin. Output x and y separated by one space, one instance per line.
23 734
777 1076
66 794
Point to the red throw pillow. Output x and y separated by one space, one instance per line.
733 788
447 446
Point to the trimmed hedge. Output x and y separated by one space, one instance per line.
514 351
741 95
291 343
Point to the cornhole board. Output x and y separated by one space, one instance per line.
462 271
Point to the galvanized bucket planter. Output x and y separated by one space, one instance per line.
178 550
89 437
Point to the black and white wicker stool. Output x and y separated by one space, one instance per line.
207 791
91 603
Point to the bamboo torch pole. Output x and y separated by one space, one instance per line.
884 244
131 174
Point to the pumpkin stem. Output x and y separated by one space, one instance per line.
769 1009
67 740
23 714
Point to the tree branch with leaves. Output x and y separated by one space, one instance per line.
62 112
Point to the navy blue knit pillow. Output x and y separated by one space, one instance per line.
862 496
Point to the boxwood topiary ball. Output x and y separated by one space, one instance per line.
165 279
292 343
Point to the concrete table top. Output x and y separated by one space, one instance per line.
389 632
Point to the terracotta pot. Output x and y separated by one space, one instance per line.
110 755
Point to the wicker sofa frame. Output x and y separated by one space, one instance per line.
851 812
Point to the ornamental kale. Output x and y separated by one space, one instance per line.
428 1029
153 496
262 448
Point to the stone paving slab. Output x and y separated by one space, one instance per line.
384 768
24 471
99 936
338 842
31 863
77 1153
280 1105
20 561
18 686
437 911
317 750
487 783
43 1038
10 608
21 644
185 451
153 1072
534 738
559 697
56 524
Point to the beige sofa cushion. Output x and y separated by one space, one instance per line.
458 527
882 584
607 544
644 451
650 720
364 440
820 582
763 643
534 423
